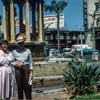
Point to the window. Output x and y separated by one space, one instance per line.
61 36
48 37
51 37
97 22
68 37
97 6
56 37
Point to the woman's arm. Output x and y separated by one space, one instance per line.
11 57
3 59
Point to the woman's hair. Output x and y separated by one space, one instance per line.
4 42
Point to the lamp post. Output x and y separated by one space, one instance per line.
81 38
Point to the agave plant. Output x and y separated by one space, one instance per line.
82 78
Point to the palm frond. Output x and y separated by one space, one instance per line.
55 6
48 8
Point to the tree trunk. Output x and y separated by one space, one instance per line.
58 34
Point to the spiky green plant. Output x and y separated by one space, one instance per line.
82 78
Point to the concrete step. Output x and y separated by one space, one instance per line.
48 81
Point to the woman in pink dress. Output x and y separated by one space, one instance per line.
6 79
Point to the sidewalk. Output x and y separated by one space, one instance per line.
53 94
48 96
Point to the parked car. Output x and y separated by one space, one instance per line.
88 51
79 47
66 49
84 48
52 52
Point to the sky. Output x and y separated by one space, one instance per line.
73 14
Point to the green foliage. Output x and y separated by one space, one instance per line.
81 78
88 97
55 6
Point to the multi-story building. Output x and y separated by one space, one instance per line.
91 13
67 38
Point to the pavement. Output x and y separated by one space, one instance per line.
48 93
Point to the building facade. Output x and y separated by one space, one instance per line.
91 15
67 38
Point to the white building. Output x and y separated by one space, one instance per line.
91 7
91 12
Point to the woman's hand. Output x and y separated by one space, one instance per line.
31 74
23 65
18 65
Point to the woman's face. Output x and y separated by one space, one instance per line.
4 47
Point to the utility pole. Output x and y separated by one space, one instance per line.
58 33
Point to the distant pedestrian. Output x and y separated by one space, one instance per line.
6 77
23 69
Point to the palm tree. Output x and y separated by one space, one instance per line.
56 7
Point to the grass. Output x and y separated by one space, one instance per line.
88 97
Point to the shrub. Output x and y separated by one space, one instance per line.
81 78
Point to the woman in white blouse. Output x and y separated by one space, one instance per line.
6 78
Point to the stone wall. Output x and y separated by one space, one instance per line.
42 70
46 75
